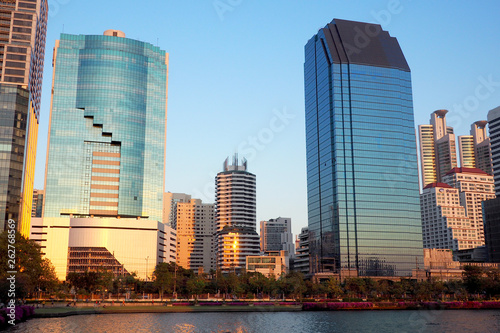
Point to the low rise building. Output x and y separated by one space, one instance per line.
118 245
272 264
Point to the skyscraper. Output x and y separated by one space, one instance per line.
235 217
362 171
438 152
23 26
107 128
105 160
474 149
491 208
276 235
494 126
195 225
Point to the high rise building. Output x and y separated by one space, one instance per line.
363 193
475 186
170 201
445 224
474 149
195 225
301 262
438 153
37 206
235 218
492 229
494 127
23 26
276 235
107 128
491 208
104 179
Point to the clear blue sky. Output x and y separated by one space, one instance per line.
235 65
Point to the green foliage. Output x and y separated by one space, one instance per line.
33 273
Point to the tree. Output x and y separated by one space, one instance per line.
355 286
24 256
164 277
196 286
473 279
332 287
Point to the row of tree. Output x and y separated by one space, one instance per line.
36 275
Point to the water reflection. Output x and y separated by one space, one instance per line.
288 322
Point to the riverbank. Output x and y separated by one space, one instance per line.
69 311
60 311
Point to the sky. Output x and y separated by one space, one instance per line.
236 81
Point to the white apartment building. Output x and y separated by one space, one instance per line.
444 222
475 186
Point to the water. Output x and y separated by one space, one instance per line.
454 321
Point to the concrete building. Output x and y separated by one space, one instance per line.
170 201
362 169
276 235
445 224
37 206
195 226
271 264
23 26
301 262
475 186
116 245
474 149
107 130
235 216
438 153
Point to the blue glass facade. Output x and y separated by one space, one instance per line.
362 171
107 128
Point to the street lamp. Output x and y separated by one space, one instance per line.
147 258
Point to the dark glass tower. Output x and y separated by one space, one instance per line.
362 171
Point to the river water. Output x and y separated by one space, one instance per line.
454 321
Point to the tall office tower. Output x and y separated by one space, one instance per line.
23 26
438 153
475 149
107 128
105 160
37 206
195 224
494 127
362 170
170 201
235 217
301 262
475 186
492 229
492 207
445 224
276 235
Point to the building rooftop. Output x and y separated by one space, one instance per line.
467 170
431 185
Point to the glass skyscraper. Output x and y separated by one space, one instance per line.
362 171
107 128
